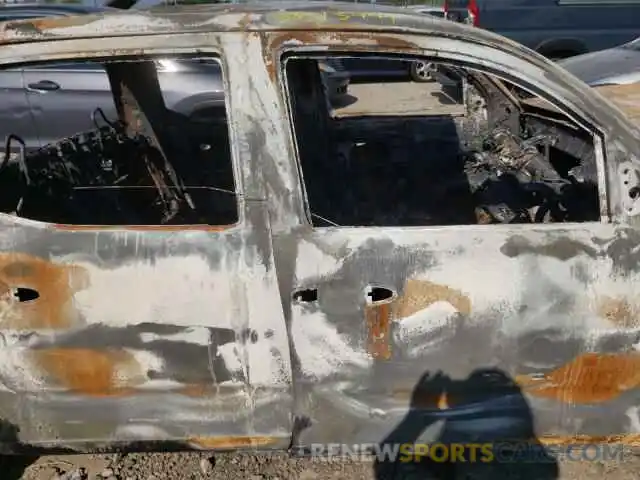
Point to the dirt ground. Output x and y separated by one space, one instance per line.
202 466
408 98
398 98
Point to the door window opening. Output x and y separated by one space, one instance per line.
458 147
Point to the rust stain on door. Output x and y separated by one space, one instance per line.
419 294
103 373
49 287
378 319
589 378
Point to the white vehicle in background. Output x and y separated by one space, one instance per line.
614 66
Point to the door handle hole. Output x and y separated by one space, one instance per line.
306 296
25 294
379 294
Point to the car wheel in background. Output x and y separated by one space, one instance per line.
561 55
421 71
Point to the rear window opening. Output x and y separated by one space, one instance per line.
119 141
457 147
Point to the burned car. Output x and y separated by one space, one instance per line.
275 274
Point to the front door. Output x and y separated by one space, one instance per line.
116 334
402 295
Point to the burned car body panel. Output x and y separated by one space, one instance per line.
223 329
191 366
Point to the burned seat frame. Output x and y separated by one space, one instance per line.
118 173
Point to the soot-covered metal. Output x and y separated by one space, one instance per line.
133 313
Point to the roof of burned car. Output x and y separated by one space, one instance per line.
244 16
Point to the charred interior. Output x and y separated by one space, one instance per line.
503 159
148 155
157 151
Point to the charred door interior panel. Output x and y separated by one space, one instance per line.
129 271
481 276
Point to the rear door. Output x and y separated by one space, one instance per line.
121 333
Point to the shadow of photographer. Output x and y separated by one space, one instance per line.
477 428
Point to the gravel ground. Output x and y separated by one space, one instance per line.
202 466
408 98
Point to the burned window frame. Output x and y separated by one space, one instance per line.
75 55
606 213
